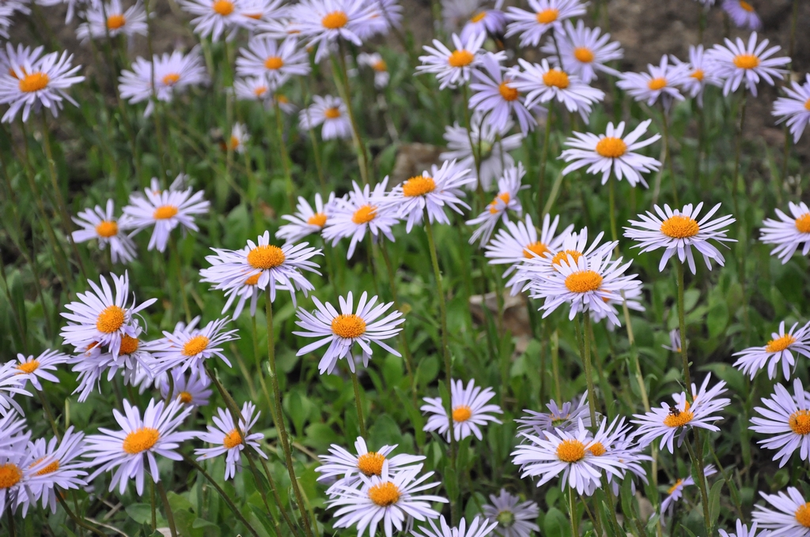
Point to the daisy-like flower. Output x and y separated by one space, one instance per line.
360 213
739 63
659 82
103 315
576 455
215 17
15 472
585 52
393 500
306 220
700 74
130 452
470 411
485 21
674 341
543 83
378 65
507 199
112 20
191 389
12 383
669 422
546 15
19 56
323 22
514 518
743 531
342 464
612 153
188 347
795 108
275 61
256 12
786 420
453 67
38 82
13 436
743 14
56 464
494 95
788 233
102 225
495 146
173 74
790 518
477 528
165 210
228 438
383 15
431 192
347 328
675 492
38 368
780 348
238 139
564 418
253 88
679 232
329 111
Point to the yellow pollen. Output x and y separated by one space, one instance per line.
799 422
317 219
583 281
562 257
164 212
746 6
141 440
597 449
680 227
128 344
348 326
185 397
583 54
537 248
571 451
232 439
34 82
803 515
223 7
253 280
332 113
547 16
461 413
610 147
364 215
674 487
780 344
171 79
380 66
460 58
47 469
807 104
419 185
680 418
803 222
555 78
504 197
265 257
260 90
746 61
10 475
274 62
28 367
697 74
370 463
384 494
478 17
110 319
195 345
107 229
115 22
508 94
657 83
335 20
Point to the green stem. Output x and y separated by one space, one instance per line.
342 82
586 360
181 280
543 160
572 512
682 325
612 198
154 509
169 512
737 151
697 459
285 155
668 156
79 522
277 498
47 408
358 402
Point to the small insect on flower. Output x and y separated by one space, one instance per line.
454 67
378 65
786 420
330 112
679 232
275 61
612 154
56 464
546 15
469 408
479 527
131 452
739 63
507 199
188 347
215 17
675 492
173 74
564 418
306 220
342 464
112 20
585 51
669 422
395 500
780 348
485 21
513 517
230 440
347 328
743 14
192 389
494 96
743 531
659 82
794 108
790 518
34 369
323 22
102 225
701 74
789 232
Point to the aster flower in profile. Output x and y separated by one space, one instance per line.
794 108
129 452
742 530
12 383
612 154
306 220
37 369
348 467
228 439
188 347
190 389
513 517
275 61
790 516
565 417
545 16
323 22
103 226
485 21
675 492
746 64
394 500
329 111
785 420
33 83
494 96
164 211
377 64
672 422
507 199
660 82
215 18
542 83
584 51
57 464
112 20
429 193
347 328
173 74
674 341
789 232
13 434
779 349
479 527
15 473
19 56
239 137
454 67
680 232
471 410
743 14
700 74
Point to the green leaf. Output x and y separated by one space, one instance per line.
714 501
140 512
717 319
320 436
556 524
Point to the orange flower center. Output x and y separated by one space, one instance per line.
223 7
799 422
164 212
253 280
674 487
47 469
28 367
384 494
493 206
128 345
571 451
259 91
657 83
348 326
679 418
562 257
141 440
115 22
317 219
335 20
171 79
780 344
185 397
680 227
583 54
364 215
583 281
418 186
34 82
803 515
807 104
478 17
380 66
265 257
332 113
10 475
547 16
274 62
107 229
610 147
232 439
746 61
556 78
110 319
508 94
195 345
370 463
536 248
460 58
697 74
461 413
803 222
597 449
746 6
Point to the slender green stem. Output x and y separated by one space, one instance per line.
47 408
572 512
316 151
543 161
78 520
285 155
697 459
682 325
169 512
612 198
474 148
668 156
262 492
154 509
586 360
342 82
358 403
180 278
262 380
277 498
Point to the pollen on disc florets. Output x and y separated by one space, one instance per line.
493 205
114 22
562 257
185 397
597 449
583 281
28 367
223 7
556 78
478 17
128 344
317 219
571 451
370 463
348 326
107 228
803 515
611 147
47 469
364 214
680 227
140 440
10 475
274 62
419 185
266 256
508 93
674 487
195 345
746 61
780 344
461 413
34 82
583 54
110 319
164 212
460 58
536 248
799 422
335 20
232 439
384 494
803 222
680 418
332 112
547 16
657 83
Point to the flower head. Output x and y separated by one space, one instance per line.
790 516
789 232
743 14
700 74
545 15
306 220
794 108
323 22
585 51
274 61
513 517
192 389
785 419
173 74
229 439
378 65
507 199
563 418
659 82
56 463
484 21
739 63
330 112
213 18
675 492
470 411
112 20
494 95
104 226
780 348
38 368
188 347
477 528
453 67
